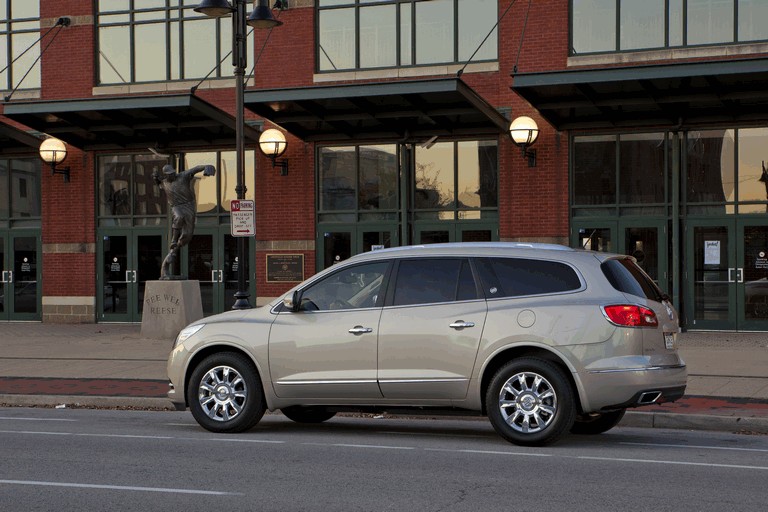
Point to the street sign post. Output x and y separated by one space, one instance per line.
243 217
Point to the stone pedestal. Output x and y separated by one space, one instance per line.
168 307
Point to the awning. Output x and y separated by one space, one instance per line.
17 142
667 96
138 122
409 111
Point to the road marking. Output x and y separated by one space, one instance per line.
235 440
34 419
489 452
672 462
119 487
128 436
343 445
699 447
431 435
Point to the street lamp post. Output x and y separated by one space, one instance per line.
261 17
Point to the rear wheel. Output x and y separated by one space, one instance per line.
307 414
225 393
530 402
593 424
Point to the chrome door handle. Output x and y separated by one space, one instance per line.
213 276
740 275
9 278
461 324
730 275
5 272
221 276
359 329
127 276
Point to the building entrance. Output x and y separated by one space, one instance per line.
727 274
20 289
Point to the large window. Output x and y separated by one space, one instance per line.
19 49
161 40
362 34
129 196
456 180
624 25
619 169
19 189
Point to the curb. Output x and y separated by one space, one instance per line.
709 422
704 422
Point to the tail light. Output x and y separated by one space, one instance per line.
628 315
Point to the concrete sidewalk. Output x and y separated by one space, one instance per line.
111 365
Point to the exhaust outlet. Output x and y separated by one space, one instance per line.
649 397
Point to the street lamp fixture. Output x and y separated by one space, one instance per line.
524 132
261 17
53 152
272 143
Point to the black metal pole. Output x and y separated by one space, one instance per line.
240 58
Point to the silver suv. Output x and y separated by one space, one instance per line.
542 339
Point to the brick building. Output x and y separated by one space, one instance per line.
652 119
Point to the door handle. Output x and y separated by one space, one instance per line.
7 276
127 276
221 276
135 276
730 275
461 324
213 276
5 272
359 329
740 275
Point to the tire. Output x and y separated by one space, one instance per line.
530 402
307 414
225 393
594 424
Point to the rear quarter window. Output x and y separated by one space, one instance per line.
516 277
625 276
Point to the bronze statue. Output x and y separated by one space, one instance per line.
180 193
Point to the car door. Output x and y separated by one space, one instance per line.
327 349
430 331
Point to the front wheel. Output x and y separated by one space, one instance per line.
225 393
530 402
594 424
307 414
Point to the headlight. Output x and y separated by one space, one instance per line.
187 332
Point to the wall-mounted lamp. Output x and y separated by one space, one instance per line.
272 143
524 132
53 151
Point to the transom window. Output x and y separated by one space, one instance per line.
19 31
19 188
362 34
161 40
624 25
128 195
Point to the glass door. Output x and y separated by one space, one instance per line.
450 231
211 258
711 274
752 274
127 260
20 287
338 242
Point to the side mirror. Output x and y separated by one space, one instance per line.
293 303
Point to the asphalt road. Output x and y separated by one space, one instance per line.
103 460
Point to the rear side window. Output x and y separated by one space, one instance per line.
627 277
515 277
432 280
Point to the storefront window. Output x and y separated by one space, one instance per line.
594 170
710 176
753 175
20 188
353 35
641 168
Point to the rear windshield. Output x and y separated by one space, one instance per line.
627 277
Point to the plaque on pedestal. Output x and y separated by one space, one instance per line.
169 306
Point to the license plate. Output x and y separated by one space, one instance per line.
669 340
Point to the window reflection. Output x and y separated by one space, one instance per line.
642 24
753 181
435 187
594 26
367 36
19 30
594 167
205 187
378 178
710 174
710 21
641 168
25 187
338 177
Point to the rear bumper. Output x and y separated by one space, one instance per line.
632 387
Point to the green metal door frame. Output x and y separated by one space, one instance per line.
752 278
128 270
14 285
720 275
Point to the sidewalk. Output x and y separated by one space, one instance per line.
111 365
